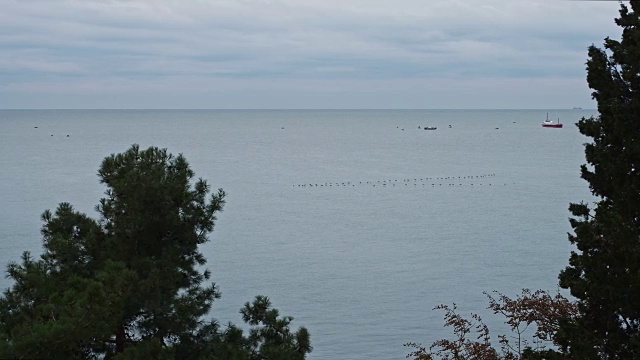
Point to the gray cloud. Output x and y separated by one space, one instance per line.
297 51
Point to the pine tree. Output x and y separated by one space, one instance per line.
130 285
153 222
604 273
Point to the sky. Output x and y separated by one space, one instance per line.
299 54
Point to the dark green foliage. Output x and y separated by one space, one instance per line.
270 335
531 354
604 273
153 222
269 338
129 285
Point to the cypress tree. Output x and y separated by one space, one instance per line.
604 273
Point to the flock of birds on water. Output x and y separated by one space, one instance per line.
431 181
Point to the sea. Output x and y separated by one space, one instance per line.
357 223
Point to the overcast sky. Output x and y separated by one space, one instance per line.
299 53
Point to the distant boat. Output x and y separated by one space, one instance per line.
550 124
430 128
577 108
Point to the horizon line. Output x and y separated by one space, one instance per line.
280 109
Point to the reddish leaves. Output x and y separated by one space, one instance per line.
472 340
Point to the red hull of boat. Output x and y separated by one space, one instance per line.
552 125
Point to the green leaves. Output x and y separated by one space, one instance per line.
61 316
129 285
270 336
604 272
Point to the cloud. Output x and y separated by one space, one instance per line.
98 46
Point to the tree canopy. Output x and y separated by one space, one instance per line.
604 272
131 284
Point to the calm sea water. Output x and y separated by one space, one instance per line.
423 217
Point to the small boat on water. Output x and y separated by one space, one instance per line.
550 124
430 128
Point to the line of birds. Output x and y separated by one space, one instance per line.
453 181
394 185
